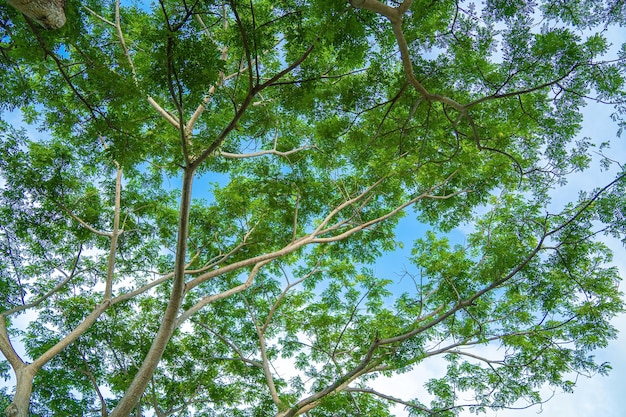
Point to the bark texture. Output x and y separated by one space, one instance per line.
48 13
21 399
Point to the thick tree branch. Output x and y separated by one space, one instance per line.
265 363
7 348
114 234
120 35
169 322
164 113
220 296
261 153
38 363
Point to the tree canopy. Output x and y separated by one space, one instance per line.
210 182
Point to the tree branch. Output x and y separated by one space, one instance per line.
94 382
81 221
340 384
118 29
224 294
114 234
47 295
168 324
38 363
265 364
261 153
230 344
167 116
313 237
389 398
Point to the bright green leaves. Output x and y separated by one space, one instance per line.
194 59
558 50
529 283
42 181
586 13
611 209
507 9
578 13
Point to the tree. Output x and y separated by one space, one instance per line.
307 129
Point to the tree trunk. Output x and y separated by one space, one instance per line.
21 399
137 387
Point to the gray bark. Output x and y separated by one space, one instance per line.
21 399
137 387
48 13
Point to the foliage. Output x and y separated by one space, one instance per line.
192 228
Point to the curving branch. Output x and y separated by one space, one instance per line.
390 398
261 153
265 363
57 288
114 234
81 221
518 93
167 116
340 384
394 15
7 348
325 228
224 294
120 35
391 13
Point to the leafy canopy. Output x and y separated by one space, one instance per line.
190 222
